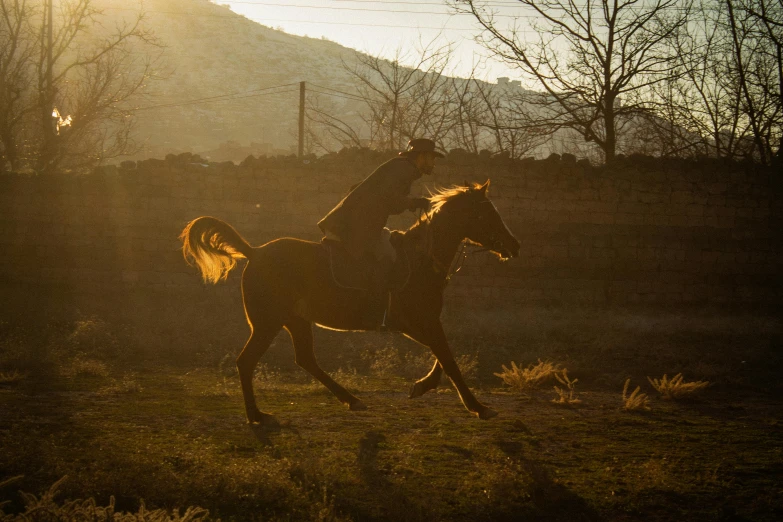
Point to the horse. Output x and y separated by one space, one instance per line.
288 283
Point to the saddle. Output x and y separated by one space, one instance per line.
348 272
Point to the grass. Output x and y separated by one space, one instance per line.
165 423
46 507
636 401
566 396
11 377
675 388
176 444
530 378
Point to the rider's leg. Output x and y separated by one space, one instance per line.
382 257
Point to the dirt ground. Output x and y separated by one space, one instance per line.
86 398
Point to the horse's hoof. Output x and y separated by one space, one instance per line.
417 390
357 405
263 420
487 413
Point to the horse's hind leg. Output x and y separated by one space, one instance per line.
301 332
261 337
431 334
428 382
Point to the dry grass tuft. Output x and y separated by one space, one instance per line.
125 386
11 377
266 377
636 401
85 366
675 388
46 508
533 376
349 378
468 367
566 396
390 361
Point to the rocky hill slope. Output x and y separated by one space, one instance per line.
209 52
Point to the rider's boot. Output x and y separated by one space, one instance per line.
378 295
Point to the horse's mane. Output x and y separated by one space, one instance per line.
442 195
438 198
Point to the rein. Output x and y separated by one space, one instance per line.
459 259
437 265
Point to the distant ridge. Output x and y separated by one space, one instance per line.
212 51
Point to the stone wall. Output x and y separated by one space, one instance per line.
642 231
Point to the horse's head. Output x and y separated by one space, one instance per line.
476 217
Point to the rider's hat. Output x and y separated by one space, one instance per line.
421 145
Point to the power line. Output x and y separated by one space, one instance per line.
323 22
363 9
403 11
220 97
493 2
351 98
263 21
358 96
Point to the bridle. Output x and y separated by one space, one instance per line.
458 260
497 244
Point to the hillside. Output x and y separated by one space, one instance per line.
211 51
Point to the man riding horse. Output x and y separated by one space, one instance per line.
358 222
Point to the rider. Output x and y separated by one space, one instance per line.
358 221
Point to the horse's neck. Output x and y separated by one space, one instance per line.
443 242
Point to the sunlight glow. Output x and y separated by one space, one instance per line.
378 28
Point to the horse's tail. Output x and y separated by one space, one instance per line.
214 246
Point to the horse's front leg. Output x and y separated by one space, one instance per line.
428 382
431 334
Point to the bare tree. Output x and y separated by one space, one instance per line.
327 124
72 67
405 101
398 103
756 36
770 14
726 100
467 132
595 59
499 118
697 111
18 52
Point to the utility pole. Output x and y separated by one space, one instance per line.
46 94
49 61
301 118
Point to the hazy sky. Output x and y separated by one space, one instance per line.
380 27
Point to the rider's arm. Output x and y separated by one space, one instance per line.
400 205
399 186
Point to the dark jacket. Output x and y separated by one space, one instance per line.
360 217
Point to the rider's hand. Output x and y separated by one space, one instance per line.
419 203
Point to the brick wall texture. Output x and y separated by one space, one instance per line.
640 231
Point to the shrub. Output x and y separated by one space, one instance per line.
676 388
45 508
127 385
11 377
390 361
94 337
635 401
533 376
566 396
85 366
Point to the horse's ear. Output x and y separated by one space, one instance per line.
484 187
